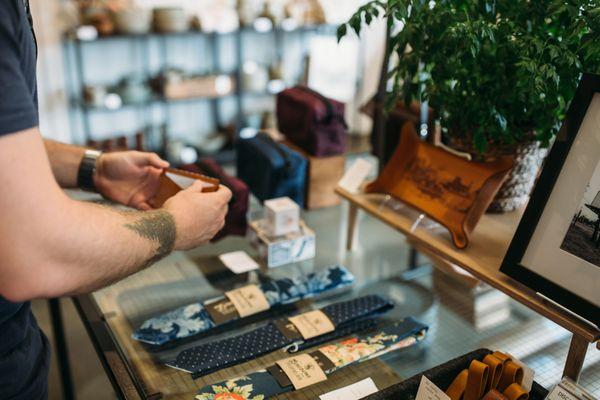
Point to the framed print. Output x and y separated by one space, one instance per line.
556 248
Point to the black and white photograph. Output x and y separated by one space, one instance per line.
583 236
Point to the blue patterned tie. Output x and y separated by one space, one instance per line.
348 317
193 319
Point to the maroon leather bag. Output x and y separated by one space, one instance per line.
312 121
235 221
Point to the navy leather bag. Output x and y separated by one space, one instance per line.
271 169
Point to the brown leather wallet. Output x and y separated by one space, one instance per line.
168 187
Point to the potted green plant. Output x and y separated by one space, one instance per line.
498 73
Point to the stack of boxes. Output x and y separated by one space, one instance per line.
281 237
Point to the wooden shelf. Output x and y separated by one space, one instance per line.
482 258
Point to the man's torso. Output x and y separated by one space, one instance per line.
24 350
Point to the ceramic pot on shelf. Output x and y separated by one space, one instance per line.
133 21
170 20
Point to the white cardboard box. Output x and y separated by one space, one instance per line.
283 249
282 215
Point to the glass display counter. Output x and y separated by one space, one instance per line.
380 263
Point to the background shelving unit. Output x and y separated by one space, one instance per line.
77 76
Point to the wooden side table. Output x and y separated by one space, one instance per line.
482 259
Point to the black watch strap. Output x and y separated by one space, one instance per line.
87 167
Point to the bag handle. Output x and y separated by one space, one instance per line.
330 112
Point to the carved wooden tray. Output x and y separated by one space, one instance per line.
448 188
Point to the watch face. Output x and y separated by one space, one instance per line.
556 249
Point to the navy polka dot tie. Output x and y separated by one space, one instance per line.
348 317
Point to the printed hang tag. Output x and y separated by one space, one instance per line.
221 311
248 300
282 379
560 393
302 370
429 391
312 324
355 176
356 391
239 262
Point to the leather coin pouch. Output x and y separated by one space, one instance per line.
172 181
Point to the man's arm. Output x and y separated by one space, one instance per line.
51 245
64 162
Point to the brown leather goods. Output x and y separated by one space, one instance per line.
476 381
496 366
501 356
450 189
457 388
494 395
511 373
167 188
482 377
516 392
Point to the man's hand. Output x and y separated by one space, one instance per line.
198 216
129 177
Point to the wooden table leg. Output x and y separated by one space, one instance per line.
352 227
575 357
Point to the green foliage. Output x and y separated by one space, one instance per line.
493 70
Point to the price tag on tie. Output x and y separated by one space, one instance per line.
248 300
429 391
356 391
238 262
356 175
302 370
312 324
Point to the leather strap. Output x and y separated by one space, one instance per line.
511 373
496 367
502 357
476 381
516 392
494 395
458 385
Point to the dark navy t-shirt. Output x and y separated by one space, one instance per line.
24 350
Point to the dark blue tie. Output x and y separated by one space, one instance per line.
348 317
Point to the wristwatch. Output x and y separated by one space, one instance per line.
87 167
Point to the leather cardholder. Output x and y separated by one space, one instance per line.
172 181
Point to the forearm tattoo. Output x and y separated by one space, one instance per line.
158 226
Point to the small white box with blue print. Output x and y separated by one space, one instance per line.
282 215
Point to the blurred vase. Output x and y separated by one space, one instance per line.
133 21
170 20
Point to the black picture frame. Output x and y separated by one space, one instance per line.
511 265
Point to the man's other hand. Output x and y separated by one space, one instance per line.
198 216
129 177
